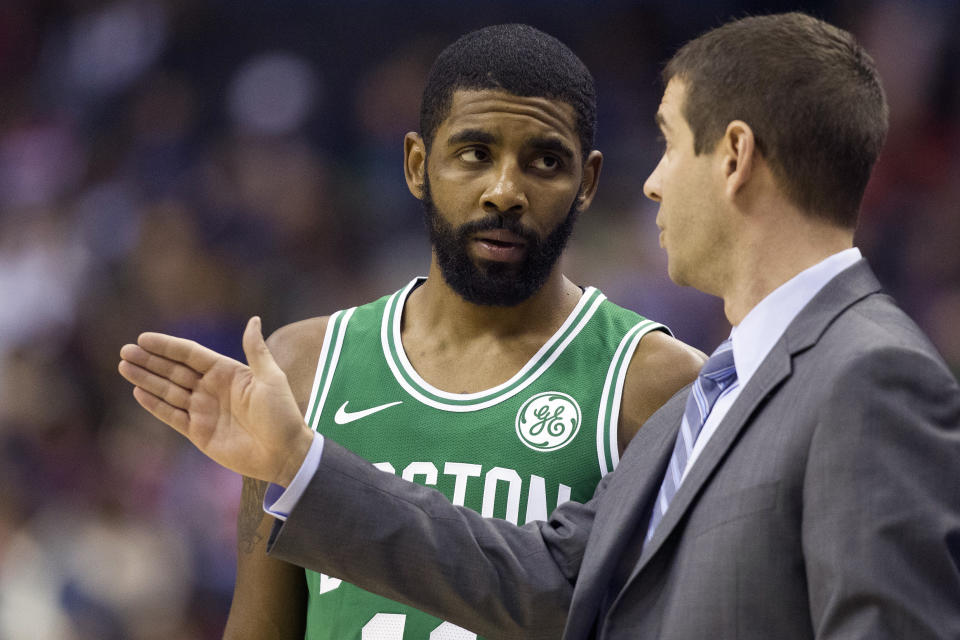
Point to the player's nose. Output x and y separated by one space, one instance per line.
505 193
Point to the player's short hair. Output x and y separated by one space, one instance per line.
518 59
809 92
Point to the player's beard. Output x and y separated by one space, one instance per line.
488 282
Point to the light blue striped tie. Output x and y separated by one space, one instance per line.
717 374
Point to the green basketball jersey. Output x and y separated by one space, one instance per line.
516 451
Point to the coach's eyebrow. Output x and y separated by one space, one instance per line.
471 135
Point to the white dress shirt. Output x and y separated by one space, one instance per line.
762 327
752 340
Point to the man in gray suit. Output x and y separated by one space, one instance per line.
807 485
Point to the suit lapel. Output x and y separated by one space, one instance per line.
774 369
632 486
845 289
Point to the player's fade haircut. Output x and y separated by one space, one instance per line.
518 59
809 92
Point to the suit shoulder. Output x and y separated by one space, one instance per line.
877 323
873 342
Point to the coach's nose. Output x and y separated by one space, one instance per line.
651 187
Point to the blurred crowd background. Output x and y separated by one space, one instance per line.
179 165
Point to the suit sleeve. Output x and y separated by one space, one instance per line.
881 511
409 543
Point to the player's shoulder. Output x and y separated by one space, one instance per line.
296 340
665 357
296 348
661 366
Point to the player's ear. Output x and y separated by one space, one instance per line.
590 179
414 163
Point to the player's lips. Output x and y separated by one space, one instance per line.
500 245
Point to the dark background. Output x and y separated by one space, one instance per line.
179 166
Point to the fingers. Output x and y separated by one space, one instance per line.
158 386
176 418
187 352
179 374
258 355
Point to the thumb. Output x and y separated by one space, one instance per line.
258 355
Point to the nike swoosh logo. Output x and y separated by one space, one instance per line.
344 417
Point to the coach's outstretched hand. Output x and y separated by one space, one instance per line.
244 418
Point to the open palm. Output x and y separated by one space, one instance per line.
243 417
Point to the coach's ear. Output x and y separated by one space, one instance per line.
738 155
590 179
414 163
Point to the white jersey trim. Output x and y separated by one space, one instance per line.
324 375
608 426
527 374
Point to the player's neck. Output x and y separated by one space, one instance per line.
462 347
439 307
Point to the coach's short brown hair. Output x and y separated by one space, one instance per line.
809 92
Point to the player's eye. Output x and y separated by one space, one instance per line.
547 163
474 154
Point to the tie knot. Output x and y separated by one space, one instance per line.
719 367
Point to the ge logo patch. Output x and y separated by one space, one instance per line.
548 421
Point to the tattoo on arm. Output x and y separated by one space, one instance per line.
251 514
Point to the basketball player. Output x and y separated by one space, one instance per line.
516 389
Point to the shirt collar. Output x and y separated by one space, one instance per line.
762 327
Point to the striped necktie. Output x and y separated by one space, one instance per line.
717 374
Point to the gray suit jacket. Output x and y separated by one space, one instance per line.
826 504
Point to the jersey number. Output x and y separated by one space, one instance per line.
389 626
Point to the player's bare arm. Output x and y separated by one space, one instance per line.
269 596
661 366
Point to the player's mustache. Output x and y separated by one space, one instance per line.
499 222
